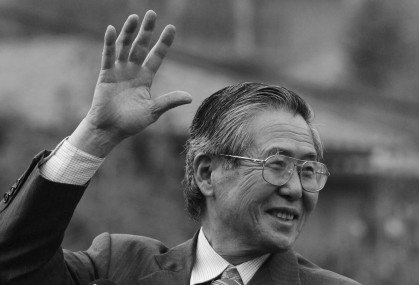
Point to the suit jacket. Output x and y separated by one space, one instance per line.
35 213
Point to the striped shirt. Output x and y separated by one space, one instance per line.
68 164
209 264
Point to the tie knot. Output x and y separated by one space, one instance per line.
230 276
231 273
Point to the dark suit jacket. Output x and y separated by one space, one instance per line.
35 213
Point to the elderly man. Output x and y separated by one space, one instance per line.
252 173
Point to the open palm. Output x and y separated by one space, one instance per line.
122 103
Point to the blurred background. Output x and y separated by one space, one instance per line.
355 61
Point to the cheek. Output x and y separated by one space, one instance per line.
310 201
248 190
309 204
239 187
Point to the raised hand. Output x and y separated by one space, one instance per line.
122 104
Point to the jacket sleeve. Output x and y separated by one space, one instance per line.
34 214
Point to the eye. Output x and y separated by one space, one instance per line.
309 170
277 164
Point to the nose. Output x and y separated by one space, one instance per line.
292 190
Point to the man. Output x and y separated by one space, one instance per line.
252 178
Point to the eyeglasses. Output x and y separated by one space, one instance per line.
278 170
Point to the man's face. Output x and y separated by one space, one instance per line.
251 214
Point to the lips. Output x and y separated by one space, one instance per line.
284 214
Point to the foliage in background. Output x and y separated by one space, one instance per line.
138 189
382 51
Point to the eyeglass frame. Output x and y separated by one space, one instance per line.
301 164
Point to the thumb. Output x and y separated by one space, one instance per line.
168 101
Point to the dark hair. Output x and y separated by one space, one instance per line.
220 127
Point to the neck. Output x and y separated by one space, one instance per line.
231 250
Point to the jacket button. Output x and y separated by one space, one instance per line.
5 197
14 186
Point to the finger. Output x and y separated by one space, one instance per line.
125 38
108 54
168 101
159 51
141 45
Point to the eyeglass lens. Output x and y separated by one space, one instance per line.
279 169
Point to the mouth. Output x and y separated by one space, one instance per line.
286 215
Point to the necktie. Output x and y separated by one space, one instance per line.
230 276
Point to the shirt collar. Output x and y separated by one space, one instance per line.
209 264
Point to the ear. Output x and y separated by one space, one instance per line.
203 167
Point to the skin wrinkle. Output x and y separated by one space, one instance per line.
220 126
249 182
237 223
283 145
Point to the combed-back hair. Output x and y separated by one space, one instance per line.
220 126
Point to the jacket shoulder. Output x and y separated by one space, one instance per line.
138 244
131 253
310 273
113 255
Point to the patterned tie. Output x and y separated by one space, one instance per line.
230 276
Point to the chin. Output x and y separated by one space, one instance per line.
283 245
277 243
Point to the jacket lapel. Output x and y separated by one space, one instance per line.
175 265
280 268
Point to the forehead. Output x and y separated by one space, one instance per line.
280 131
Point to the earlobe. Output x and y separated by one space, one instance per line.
203 165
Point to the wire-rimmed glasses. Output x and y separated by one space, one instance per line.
278 170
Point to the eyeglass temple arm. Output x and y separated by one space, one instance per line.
244 158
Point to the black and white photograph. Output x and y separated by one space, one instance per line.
205 142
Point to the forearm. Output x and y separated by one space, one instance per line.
32 225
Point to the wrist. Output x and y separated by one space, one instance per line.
94 141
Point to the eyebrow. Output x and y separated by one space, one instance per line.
308 156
